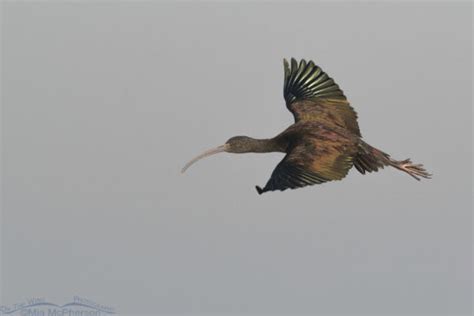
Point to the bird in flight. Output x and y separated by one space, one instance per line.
323 143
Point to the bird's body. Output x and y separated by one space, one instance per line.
324 143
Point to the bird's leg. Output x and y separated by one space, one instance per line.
414 170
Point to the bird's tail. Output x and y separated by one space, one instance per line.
371 159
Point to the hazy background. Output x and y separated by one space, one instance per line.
104 102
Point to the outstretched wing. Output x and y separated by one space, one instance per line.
310 94
314 159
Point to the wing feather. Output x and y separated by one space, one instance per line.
310 94
314 159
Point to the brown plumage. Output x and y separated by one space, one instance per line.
325 140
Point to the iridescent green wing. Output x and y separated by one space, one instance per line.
310 94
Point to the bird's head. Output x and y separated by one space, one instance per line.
239 144
236 144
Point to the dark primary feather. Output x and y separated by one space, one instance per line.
307 81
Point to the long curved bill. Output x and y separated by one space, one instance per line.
205 154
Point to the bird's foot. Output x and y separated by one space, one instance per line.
414 170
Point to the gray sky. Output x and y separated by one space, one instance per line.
103 103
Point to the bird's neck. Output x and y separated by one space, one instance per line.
265 145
